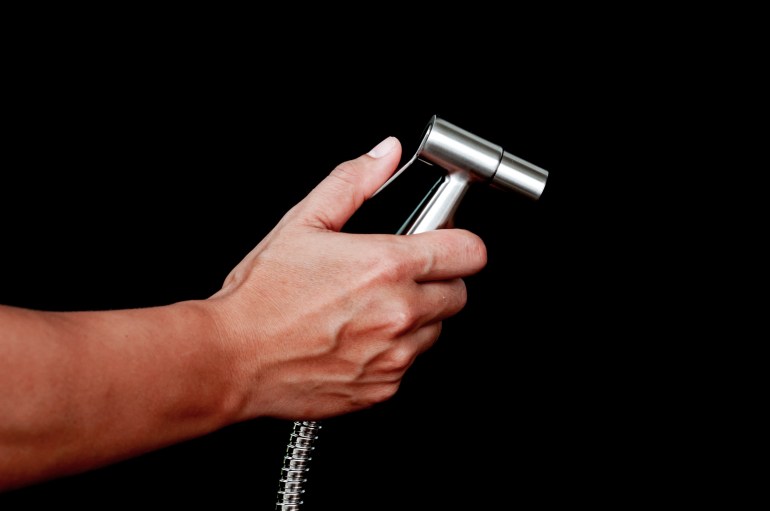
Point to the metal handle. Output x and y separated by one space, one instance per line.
438 208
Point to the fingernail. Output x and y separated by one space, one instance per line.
383 148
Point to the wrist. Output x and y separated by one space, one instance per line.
245 354
217 361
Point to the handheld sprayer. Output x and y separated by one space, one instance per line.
467 159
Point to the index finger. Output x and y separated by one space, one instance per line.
446 254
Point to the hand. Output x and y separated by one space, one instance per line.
312 323
321 323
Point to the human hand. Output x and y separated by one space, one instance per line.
318 322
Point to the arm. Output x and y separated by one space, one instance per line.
88 388
312 323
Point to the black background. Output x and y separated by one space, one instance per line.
139 174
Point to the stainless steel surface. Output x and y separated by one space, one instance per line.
456 150
520 176
468 159
295 465
441 206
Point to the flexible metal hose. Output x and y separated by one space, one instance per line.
295 465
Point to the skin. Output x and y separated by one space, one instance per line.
312 323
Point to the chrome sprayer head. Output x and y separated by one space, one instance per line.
467 158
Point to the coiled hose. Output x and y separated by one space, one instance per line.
295 465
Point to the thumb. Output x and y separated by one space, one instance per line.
334 200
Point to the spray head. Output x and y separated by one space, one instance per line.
467 158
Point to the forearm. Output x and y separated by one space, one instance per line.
80 390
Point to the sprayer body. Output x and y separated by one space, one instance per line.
468 159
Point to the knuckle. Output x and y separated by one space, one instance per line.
397 361
461 293
390 264
344 176
403 318
345 171
381 392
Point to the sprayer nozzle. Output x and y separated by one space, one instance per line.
518 175
459 151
